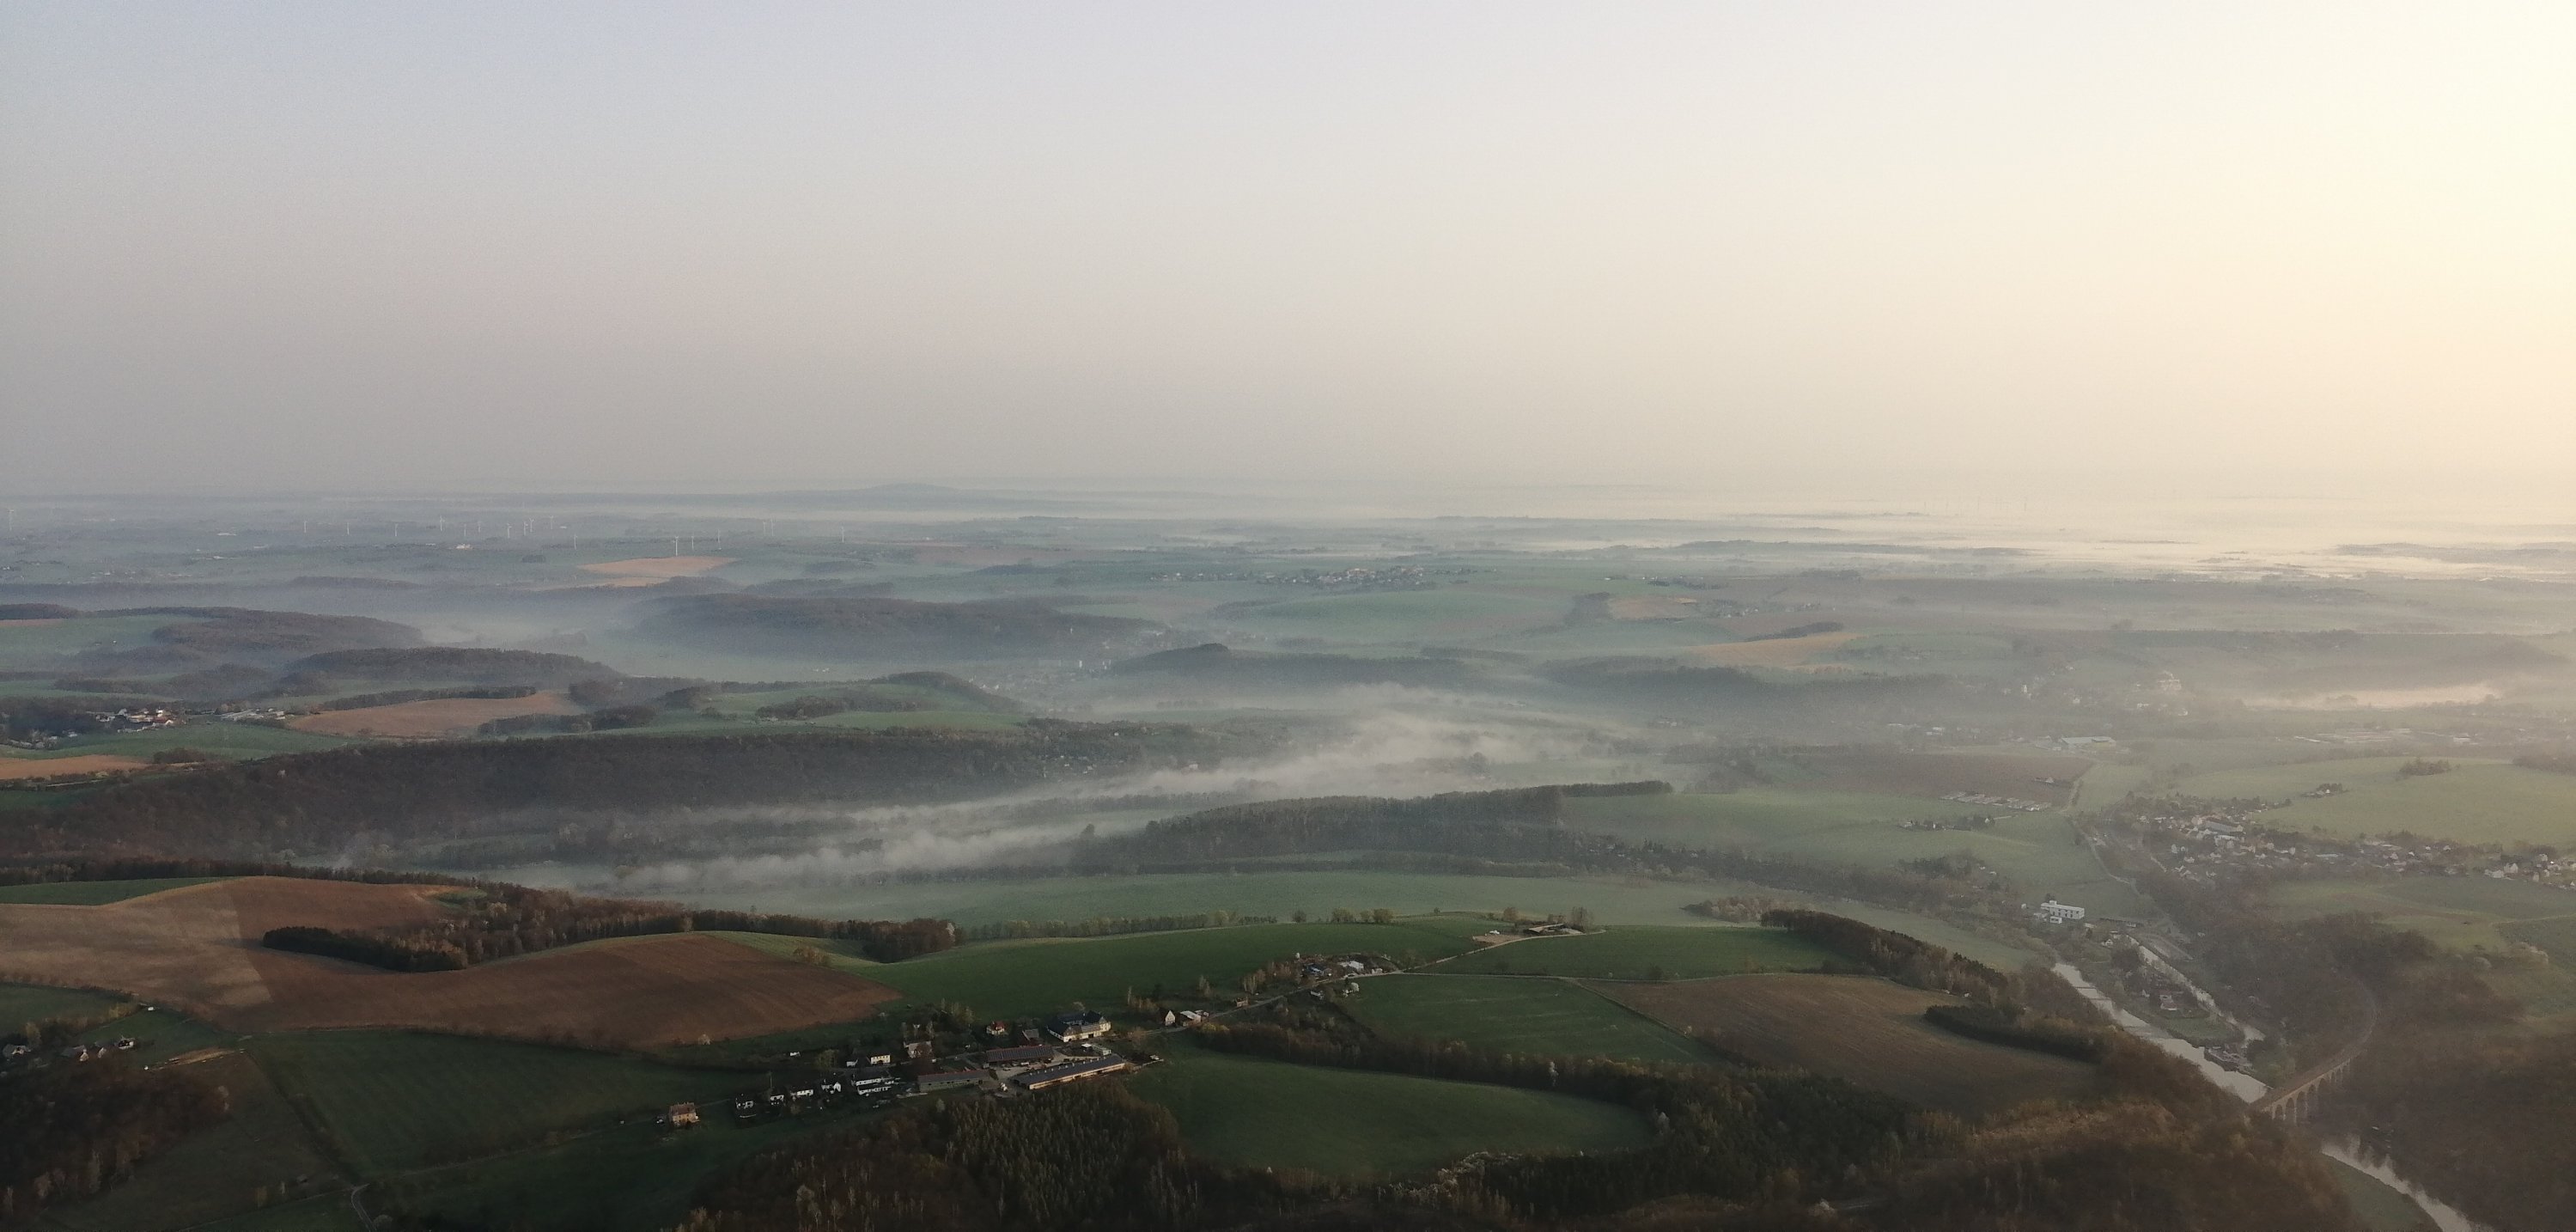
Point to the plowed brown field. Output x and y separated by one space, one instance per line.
638 992
445 716
1867 1031
50 767
198 948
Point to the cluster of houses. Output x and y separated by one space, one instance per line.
2206 846
1982 800
1946 823
1057 1052
129 719
16 1056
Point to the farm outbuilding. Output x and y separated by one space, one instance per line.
1057 1075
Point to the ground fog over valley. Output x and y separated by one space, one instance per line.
1435 616
2260 832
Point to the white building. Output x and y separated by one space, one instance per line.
2055 912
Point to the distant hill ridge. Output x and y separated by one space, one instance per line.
872 624
472 664
1218 663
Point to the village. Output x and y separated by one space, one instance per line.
2206 841
1013 1060
110 722
1983 800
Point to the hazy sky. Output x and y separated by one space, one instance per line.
730 244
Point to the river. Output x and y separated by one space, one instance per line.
2246 1087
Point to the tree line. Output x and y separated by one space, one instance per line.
1907 960
509 920
70 1131
324 800
1109 926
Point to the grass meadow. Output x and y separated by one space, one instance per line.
630 1176
2466 914
1648 954
214 1173
159 1034
2480 802
94 893
2458 912
24 1004
236 741
1516 1014
1353 1123
1864 1030
391 1101
1614 900
1013 979
324 1212
2040 852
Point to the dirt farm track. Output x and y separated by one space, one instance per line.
198 948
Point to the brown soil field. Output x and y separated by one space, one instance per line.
1867 1031
198 948
659 568
1653 607
446 716
640 992
50 767
31 622
1770 652
194 947
1939 774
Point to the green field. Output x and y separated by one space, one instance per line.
1754 816
1515 1014
1649 953
327 1212
215 1173
1269 1114
2038 851
2556 934
632 1176
1250 892
94 893
2458 912
392 1101
24 1004
1612 900
159 1034
2107 784
1012 979
233 740
2480 802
